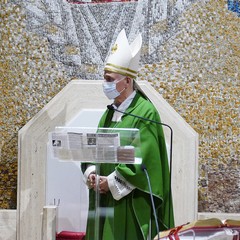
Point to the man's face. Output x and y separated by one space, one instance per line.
116 77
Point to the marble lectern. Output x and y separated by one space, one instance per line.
33 184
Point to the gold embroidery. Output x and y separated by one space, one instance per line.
114 48
119 67
124 73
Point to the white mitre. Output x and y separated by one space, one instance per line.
124 57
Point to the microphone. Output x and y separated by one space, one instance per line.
111 107
144 169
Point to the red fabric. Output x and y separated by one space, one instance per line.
174 232
66 235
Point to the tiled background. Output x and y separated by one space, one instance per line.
191 55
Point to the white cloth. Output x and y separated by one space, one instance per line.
122 107
118 186
90 169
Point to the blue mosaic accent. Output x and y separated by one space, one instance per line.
234 5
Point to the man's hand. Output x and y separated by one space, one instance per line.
102 182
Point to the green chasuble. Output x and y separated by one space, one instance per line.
129 218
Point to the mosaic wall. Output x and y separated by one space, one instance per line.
190 55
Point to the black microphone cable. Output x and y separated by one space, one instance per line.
111 107
144 169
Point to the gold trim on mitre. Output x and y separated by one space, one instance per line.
121 68
119 72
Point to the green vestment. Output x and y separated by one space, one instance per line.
129 217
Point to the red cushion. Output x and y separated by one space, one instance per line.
66 235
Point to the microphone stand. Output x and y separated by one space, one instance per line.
143 167
111 107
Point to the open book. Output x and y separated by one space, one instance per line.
212 228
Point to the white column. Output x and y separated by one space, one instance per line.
49 222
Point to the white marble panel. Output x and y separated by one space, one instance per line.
8 222
221 216
87 94
49 222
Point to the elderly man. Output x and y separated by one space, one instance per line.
126 210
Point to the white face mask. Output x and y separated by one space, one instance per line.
110 89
